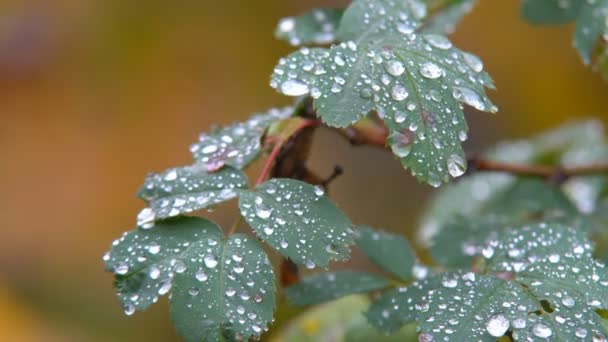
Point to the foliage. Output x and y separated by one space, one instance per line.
507 251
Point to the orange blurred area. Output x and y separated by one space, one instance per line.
94 94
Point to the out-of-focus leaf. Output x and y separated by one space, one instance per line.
219 287
186 189
527 200
236 145
540 281
317 26
417 83
590 17
298 220
398 307
445 20
391 252
338 321
327 286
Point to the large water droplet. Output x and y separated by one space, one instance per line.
456 165
398 93
394 67
263 211
145 218
438 41
472 61
201 275
497 325
469 97
210 261
121 268
401 144
430 70
541 330
129 309
294 88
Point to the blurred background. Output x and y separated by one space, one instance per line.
94 94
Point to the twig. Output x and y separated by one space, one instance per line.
556 173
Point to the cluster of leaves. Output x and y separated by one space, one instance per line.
511 256
515 260
591 20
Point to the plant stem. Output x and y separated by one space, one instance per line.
549 172
235 225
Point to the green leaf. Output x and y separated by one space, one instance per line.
590 26
590 17
391 252
317 26
540 281
327 286
368 19
398 307
236 145
182 190
551 11
211 280
298 221
445 21
415 82
526 200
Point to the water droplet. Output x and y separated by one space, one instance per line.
319 191
262 211
431 70
394 67
497 325
210 261
171 175
568 301
209 149
121 268
154 248
541 330
401 144
425 337
201 275
473 62
154 272
456 165
438 41
294 88
240 310
469 97
268 230
165 287
129 309
399 93
180 267
193 291
145 218
230 292
450 283
309 264
284 244
287 24
554 258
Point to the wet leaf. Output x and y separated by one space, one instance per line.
590 17
417 83
298 220
317 26
327 286
400 306
236 145
219 287
186 189
391 252
445 21
540 281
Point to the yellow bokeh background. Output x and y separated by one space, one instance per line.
94 94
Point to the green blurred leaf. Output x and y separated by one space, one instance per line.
327 286
391 252
540 281
415 82
400 306
446 19
298 221
590 17
551 11
317 26
527 200
182 190
218 287
236 145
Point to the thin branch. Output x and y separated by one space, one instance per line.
556 173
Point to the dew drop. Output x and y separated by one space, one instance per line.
401 144
121 268
153 248
497 325
145 218
129 309
456 165
541 330
210 261
430 70
473 62
394 67
438 41
201 275
294 88
262 211
398 93
469 97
